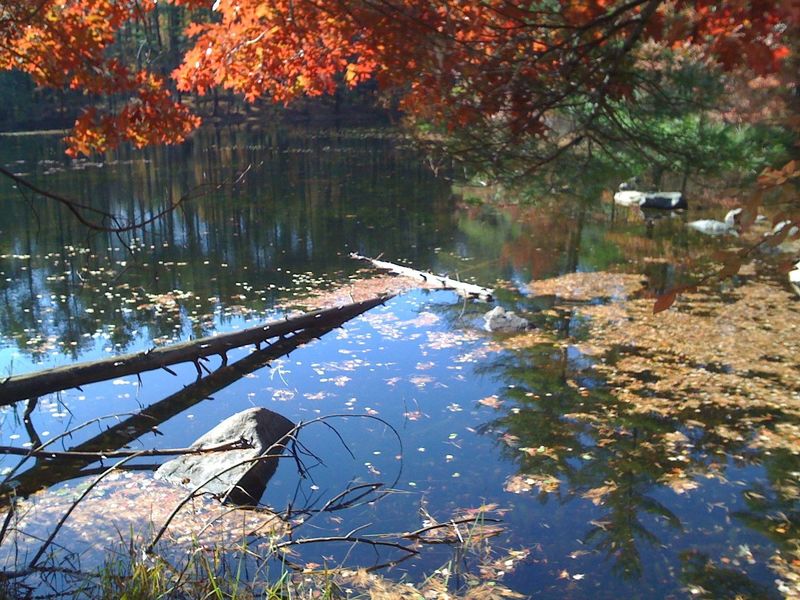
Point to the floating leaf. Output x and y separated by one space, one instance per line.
491 401
664 301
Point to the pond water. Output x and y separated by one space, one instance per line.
589 505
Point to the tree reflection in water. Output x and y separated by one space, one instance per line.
306 201
559 423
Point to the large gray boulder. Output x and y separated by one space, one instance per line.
241 484
498 319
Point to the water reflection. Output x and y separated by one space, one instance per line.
47 471
572 440
611 489
305 202
706 579
572 443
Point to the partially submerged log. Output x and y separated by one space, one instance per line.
21 387
468 290
47 472
660 200
664 200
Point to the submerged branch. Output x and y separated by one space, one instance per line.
83 211
101 454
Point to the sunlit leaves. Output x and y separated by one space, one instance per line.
775 177
491 401
456 63
462 63
679 481
152 117
518 484
664 301
598 494
66 43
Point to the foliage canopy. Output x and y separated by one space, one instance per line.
508 71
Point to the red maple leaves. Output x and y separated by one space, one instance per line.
66 44
455 62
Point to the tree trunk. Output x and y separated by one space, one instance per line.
25 386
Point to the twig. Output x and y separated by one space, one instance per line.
419 534
280 444
61 436
149 548
78 208
368 488
346 538
100 454
12 510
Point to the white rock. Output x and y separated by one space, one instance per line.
498 319
794 278
732 218
782 224
628 198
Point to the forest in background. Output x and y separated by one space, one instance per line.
508 87
507 90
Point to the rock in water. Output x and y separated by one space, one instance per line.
793 229
628 198
498 319
733 217
243 484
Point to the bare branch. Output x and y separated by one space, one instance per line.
100 454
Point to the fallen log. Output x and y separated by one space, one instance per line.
49 472
21 387
468 290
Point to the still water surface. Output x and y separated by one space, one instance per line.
239 253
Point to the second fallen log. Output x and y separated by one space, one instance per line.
468 290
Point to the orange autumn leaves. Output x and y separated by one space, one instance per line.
460 62
454 62
66 44
149 117
736 33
